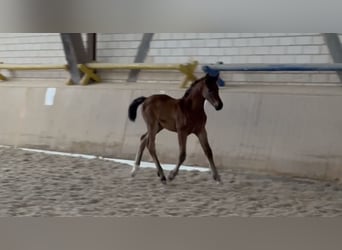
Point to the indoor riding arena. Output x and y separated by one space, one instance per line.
68 145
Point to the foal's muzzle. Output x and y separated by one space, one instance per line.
219 106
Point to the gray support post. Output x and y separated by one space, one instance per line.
91 46
75 54
334 45
141 55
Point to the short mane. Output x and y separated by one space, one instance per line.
188 91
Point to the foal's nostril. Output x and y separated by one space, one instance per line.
219 106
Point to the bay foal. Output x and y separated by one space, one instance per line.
183 116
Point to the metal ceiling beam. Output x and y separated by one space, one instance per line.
91 46
334 45
141 55
75 53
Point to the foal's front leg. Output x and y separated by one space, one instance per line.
203 138
182 154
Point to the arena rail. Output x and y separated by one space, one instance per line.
215 68
88 69
30 67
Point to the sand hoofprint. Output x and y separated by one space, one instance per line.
38 184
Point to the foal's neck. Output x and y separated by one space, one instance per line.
195 99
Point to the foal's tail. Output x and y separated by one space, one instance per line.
132 110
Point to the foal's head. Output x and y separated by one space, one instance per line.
210 91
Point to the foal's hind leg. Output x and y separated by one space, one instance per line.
143 141
152 132
182 154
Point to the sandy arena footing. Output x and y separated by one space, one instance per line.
39 184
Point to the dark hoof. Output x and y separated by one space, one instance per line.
171 175
217 178
163 180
